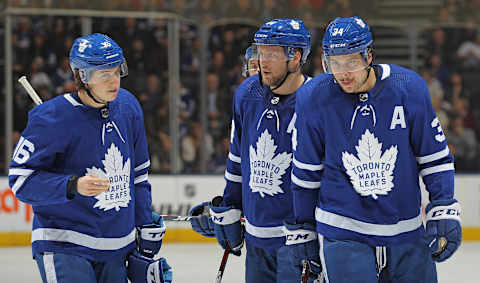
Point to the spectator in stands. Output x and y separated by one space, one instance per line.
469 54
63 74
464 144
456 88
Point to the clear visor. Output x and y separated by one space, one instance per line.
344 63
102 74
270 53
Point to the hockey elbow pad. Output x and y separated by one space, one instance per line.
443 231
143 269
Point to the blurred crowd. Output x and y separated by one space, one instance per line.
41 45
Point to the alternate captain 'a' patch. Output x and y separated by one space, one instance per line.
371 174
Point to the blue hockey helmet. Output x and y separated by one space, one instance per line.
289 33
346 36
96 52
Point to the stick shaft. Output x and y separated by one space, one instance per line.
31 92
221 269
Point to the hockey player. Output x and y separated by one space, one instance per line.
259 162
82 163
250 65
365 133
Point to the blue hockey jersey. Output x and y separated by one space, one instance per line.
259 161
358 157
64 138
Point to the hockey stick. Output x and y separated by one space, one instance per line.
221 269
181 218
31 92
305 271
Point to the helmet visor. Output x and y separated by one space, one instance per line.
270 53
344 63
106 72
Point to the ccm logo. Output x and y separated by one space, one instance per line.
217 219
154 235
296 237
442 212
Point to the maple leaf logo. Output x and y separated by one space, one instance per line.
372 172
118 195
266 169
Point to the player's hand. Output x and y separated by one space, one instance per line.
443 232
90 185
227 226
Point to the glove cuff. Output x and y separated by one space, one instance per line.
225 217
443 210
299 233
152 232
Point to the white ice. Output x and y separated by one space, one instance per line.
200 262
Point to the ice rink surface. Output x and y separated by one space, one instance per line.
200 262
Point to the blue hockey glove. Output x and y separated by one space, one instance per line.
202 224
302 243
143 269
150 238
443 232
227 225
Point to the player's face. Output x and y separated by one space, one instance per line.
349 71
252 67
273 65
105 83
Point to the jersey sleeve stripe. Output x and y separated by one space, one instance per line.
233 178
69 236
141 178
264 232
432 157
142 166
306 166
234 158
437 169
305 184
20 172
18 183
385 230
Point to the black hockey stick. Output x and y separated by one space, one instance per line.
221 269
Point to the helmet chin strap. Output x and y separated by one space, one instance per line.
97 100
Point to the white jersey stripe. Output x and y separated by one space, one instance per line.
71 100
264 232
142 166
141 178
384 230
305 184
69 236
234 158
306 166
437 169
233 178
49 266
20 172
18 183
432 157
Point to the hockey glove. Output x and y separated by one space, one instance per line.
202 224
443 232
227 226
302 243
150 237
143 269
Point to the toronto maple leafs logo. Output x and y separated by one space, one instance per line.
372 172
118 174
266 169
